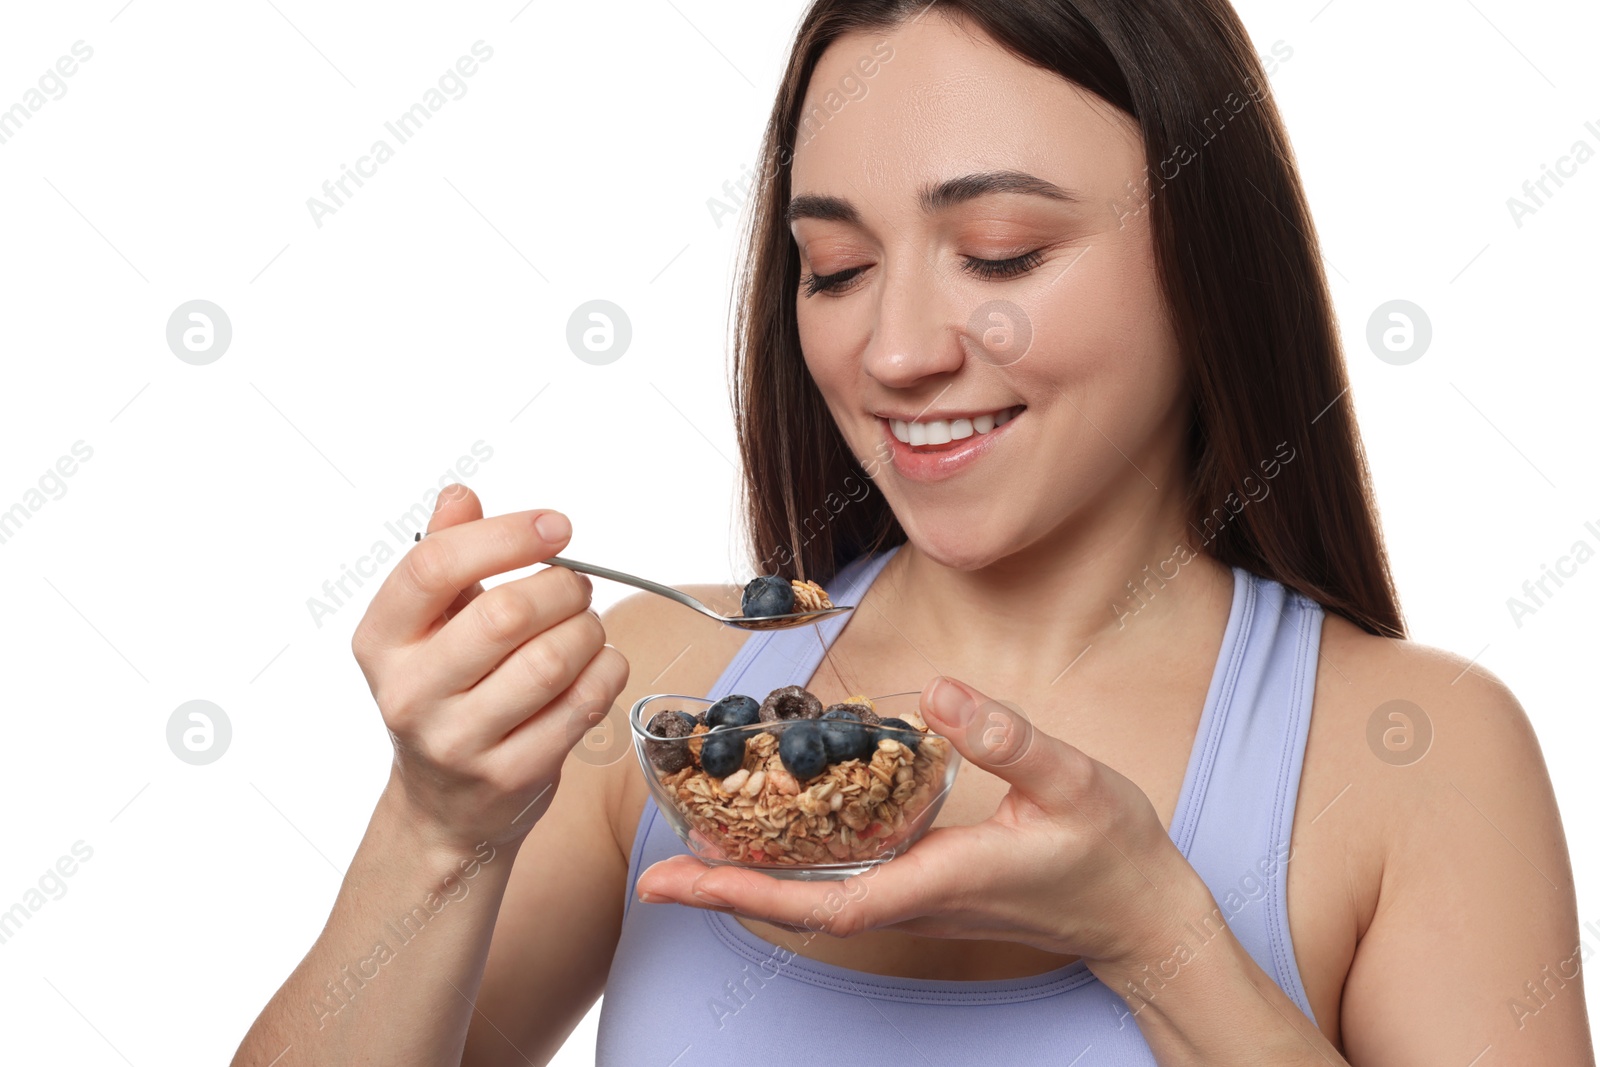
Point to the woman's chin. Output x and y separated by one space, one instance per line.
957 545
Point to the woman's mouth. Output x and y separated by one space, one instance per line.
934 435
933 449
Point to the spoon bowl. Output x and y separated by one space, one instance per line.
740 622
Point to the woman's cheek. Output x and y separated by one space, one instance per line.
822 343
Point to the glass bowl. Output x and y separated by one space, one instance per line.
853 814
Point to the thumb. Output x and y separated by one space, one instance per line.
998 737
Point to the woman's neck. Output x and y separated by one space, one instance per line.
1121 586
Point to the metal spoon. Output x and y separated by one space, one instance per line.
770 622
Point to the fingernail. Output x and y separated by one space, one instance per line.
651 898
553 526
952 704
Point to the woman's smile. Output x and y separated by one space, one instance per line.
930 449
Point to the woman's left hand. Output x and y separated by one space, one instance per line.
1074 860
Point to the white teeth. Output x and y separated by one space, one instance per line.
943 431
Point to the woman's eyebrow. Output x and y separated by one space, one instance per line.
933 198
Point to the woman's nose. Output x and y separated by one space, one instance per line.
916 333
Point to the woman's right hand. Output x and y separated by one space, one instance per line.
484 692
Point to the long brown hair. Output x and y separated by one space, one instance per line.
1240 266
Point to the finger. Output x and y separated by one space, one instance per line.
456 504
919 882
497 622
440 567
576 711
1001 739
533 674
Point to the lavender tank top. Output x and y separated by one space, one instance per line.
690 986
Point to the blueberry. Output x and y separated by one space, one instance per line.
846 738
802 750
722 752
735 710
840 711
766 596
910 742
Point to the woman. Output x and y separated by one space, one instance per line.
1037 367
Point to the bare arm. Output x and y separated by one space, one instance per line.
1473 954
561 916
1475 948
410 924
478 689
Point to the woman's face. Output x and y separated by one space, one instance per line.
916 166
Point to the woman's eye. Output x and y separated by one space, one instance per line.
983 268
828 283
1002 268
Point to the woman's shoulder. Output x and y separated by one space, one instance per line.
1418 760
1408 726
1404 691
1426 809
1428 736
1406 702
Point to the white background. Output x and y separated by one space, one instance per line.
429 313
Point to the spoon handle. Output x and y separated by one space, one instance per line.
634 580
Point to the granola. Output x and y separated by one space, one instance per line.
809 596
853 810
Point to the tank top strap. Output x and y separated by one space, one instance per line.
1239 807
